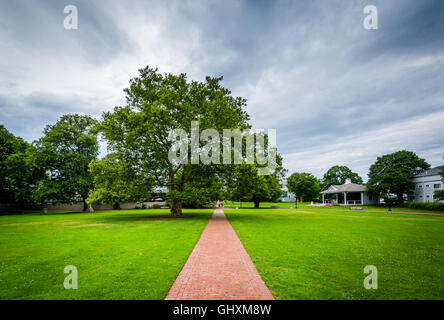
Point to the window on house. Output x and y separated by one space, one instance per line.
427 185
437 186
428 196
420 186
370 198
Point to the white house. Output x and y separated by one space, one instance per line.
350 194
426 183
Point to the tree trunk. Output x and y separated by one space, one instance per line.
400 197
85 205
256 204
176 207
176 204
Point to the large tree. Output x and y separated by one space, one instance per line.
393 173
156 104
337 175
9 145
64 153
304 185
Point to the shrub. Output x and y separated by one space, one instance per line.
156 206
436 206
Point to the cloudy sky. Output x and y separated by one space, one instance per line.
336 92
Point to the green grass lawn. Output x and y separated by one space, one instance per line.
301 253
131 254
306 205
321 253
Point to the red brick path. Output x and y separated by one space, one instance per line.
219 268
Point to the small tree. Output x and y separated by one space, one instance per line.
304 185
439 194
246 184
338 175
250 186
393 173
116 182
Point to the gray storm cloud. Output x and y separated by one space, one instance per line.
335 92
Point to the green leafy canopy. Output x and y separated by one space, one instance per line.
304 185
393 173
337 175
138 133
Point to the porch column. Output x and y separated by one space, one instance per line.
345 198
322 198
362 198
337 199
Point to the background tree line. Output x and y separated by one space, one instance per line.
390 174
55 168
63 165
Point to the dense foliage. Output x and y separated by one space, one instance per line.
10 145
393 173
55 167
337 175
438 206
138 133
248 185
117 182
304 185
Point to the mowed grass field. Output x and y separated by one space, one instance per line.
321 253
134 254
304 253
306 205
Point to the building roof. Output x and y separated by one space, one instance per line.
346 187
429 172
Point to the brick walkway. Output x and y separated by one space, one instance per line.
219 268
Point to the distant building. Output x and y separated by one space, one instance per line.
426 183
350 194
287 196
